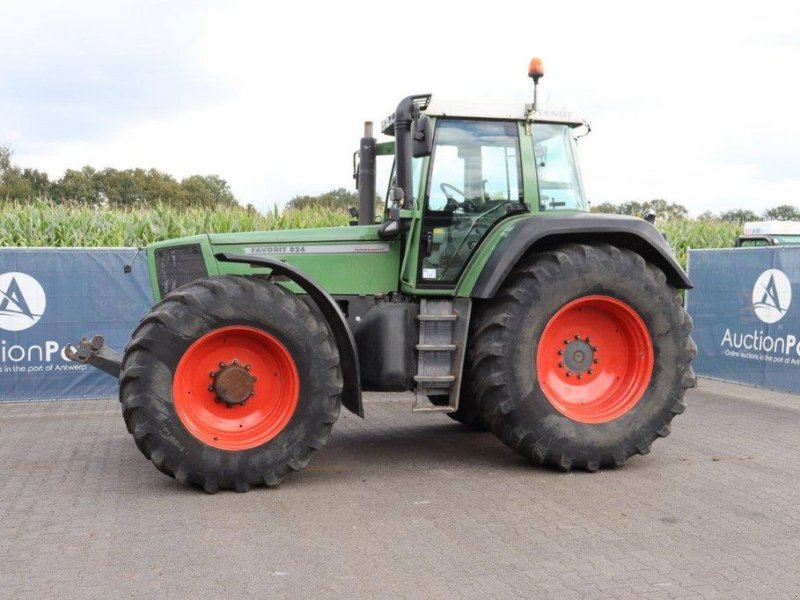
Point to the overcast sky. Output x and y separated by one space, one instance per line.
693 102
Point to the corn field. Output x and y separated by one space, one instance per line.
683 234
44 223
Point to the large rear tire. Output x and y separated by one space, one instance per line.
582 358
230 382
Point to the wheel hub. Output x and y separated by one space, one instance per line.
233 384
578 356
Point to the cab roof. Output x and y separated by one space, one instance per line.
520 112
516 112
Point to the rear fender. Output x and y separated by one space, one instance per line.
540 233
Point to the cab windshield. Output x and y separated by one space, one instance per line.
560 186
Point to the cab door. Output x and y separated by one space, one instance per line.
475 180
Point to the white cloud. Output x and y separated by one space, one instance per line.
690 102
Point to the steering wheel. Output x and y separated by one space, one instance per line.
473 225
468 205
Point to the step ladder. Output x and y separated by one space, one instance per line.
443 327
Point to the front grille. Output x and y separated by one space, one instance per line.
177 266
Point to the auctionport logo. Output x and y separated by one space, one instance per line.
22 301
772 295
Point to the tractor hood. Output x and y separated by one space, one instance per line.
343 260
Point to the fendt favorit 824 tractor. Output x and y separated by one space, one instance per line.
486 288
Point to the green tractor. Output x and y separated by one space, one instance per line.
486 288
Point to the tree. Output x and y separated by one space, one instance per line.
339 198
739 215
632 208
80 186
784 212
119 187
605 207
131 187
5 170
707 216
665 210
38 181
20 183
5 158
662 208
207 190
12 183
161 187
115 187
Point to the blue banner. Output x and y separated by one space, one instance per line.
50 298
746 312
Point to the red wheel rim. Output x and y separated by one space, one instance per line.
595 359
263 368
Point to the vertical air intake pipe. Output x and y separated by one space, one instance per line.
403 117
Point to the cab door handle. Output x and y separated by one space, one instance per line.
427 243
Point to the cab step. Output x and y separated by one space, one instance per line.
443 326
434 378
421 317
436 347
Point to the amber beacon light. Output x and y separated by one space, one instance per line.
535 72
535 69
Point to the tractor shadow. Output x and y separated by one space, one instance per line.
389 445
406 442
391 442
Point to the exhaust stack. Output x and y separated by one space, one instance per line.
366 177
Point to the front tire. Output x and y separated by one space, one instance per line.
583 357
230 382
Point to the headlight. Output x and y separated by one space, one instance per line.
177 266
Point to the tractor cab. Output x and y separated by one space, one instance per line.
472 167
488 164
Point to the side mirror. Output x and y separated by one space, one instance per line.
421 137
353 212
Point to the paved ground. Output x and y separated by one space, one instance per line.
412 506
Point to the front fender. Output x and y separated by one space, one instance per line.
348 354
545 231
